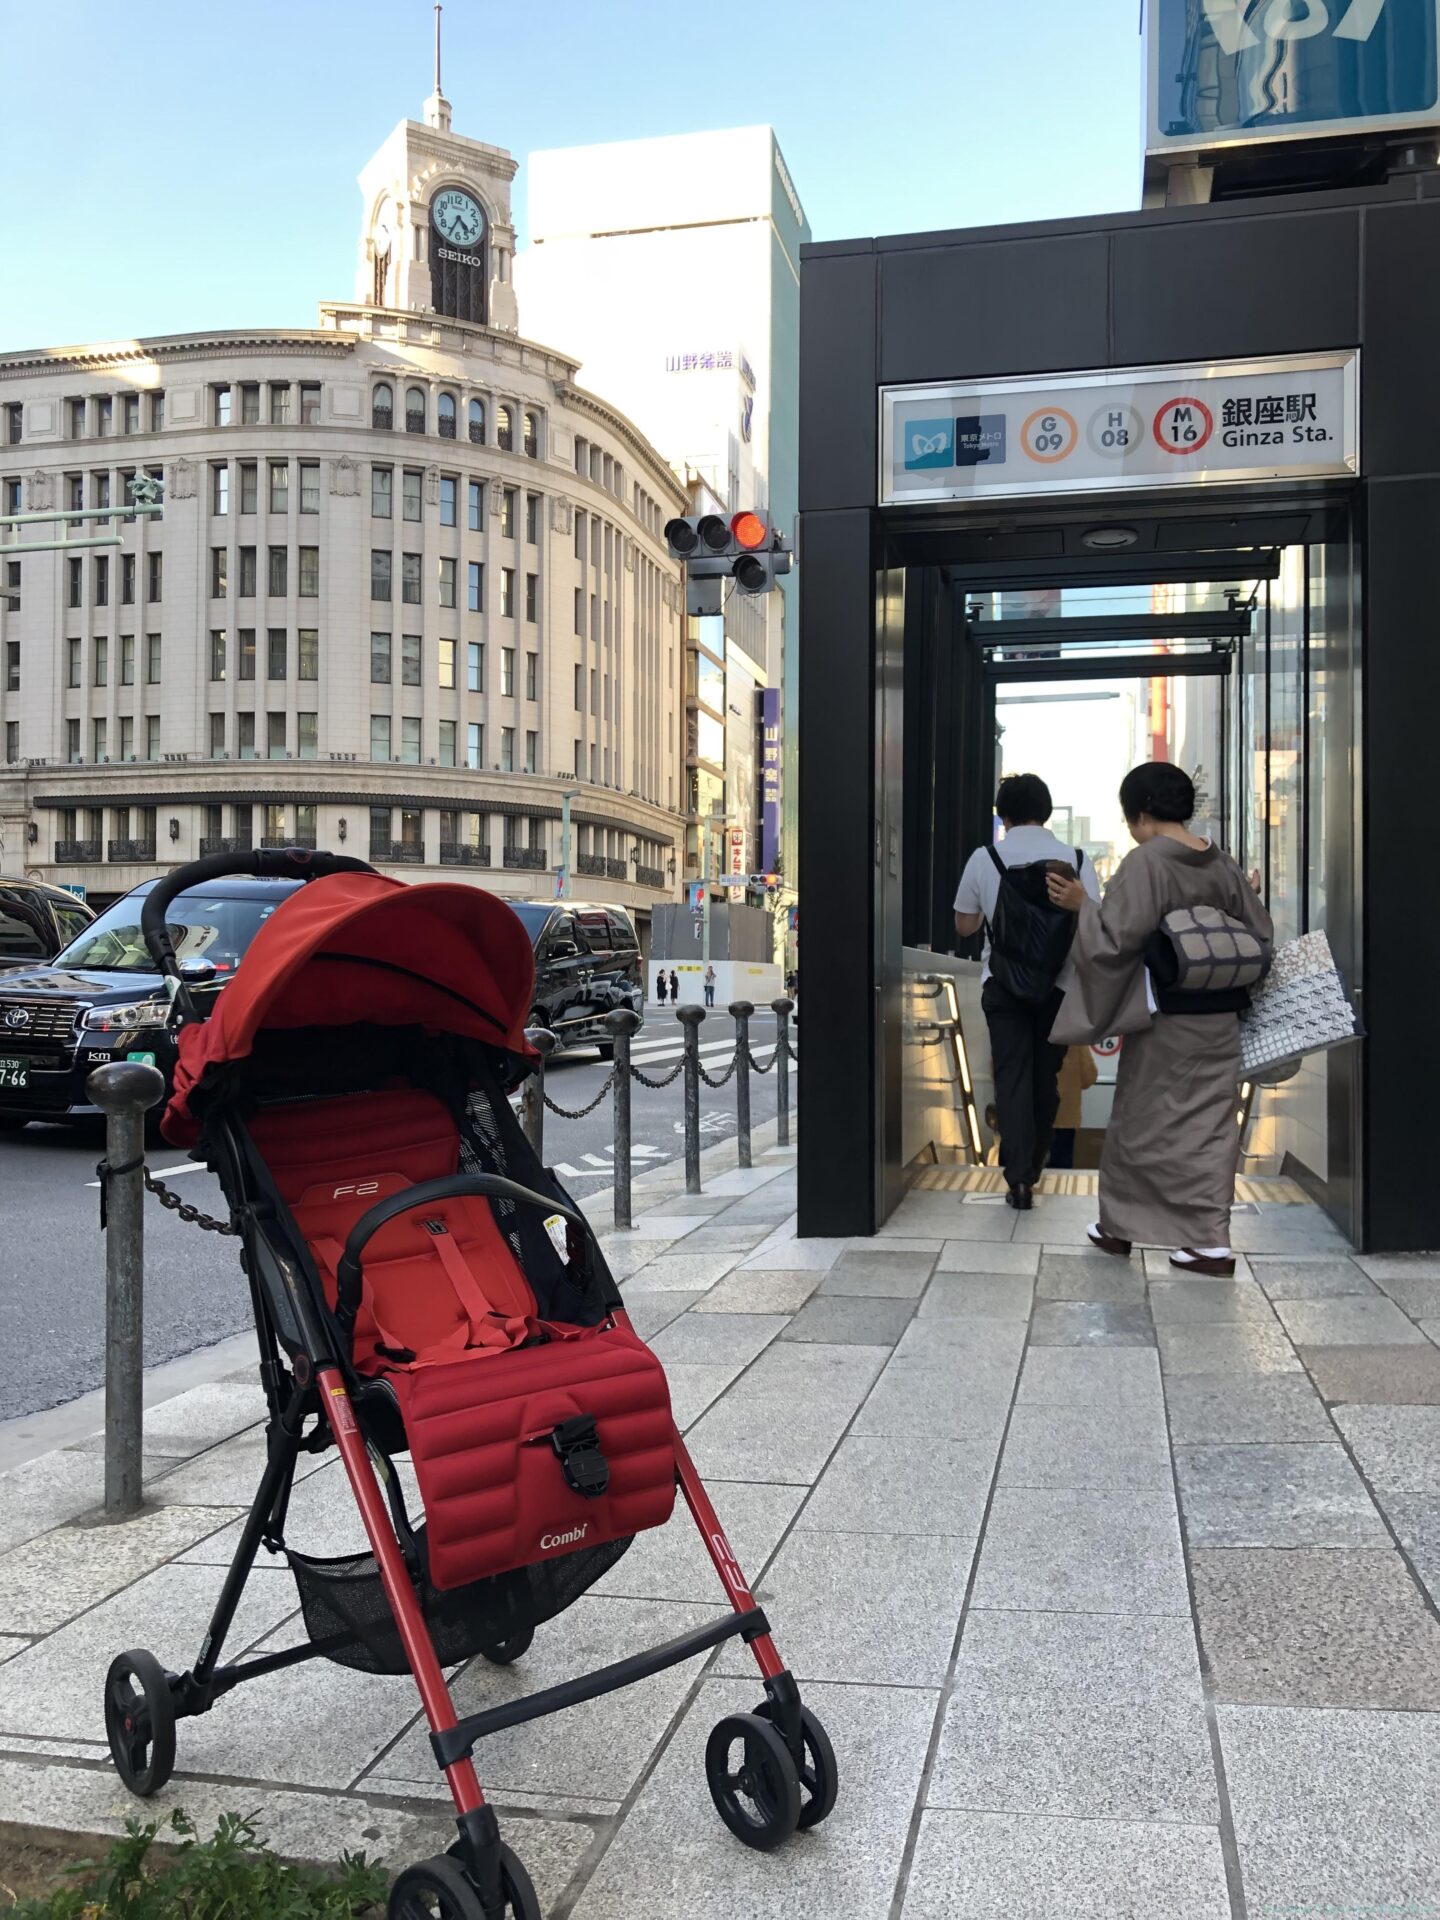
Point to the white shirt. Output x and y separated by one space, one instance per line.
1022 846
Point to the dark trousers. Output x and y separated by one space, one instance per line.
1027 1068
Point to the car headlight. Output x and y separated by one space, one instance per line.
135 1013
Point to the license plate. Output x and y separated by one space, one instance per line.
13 1072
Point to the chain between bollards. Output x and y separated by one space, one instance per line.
740 1012
622 1024
532 1094
124 1091
690 1018
782 1009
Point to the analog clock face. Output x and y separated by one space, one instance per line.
458 218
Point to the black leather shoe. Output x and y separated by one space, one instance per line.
1020 1196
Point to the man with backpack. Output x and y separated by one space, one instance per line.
1026 959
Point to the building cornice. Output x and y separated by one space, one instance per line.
326 343
626 430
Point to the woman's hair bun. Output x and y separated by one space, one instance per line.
1159 789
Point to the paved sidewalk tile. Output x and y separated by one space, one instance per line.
1323 1277
1376 1376
1089 1276
1306 1495
1078 1447
1001 1866
687 1272
782 1420
922 1216
963 1256
1209 1407
880 1274
846 1318
941 1397
1416 1520
1232 1348
670 1562
674 1860
1316 1627
1007 1296
1418 1294
1351 1321
201 1418
1290 1230
694 1388
46 1492
1097 1658
1090 1323
651 1312
790 1255
1334 1811
1398 1448
1082 1552
51 1579
1385 1267
1182 1301
1090 1377
742 1291
227 1475
913 1486
717 1339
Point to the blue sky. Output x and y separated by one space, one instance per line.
185 166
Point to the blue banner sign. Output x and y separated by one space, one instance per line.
1229 72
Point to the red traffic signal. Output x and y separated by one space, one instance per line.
749 530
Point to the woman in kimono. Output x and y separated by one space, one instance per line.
1167 1172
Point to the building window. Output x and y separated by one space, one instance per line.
595 692
248 574
307 737
532 667
409 659
15 423
580 611
152 659
309 486
74 492
507 749
277 650
72 742
220 488
12 742
127 737
507 672
152 736
309 573
447 663
410 578
447 583
532 751
530 436
309 403
508 499
219 573
127 579
507 593
12 666
74 574
532 597
382 486
102 580
477 422
410 499
104 415
280 403
249 486
102 662
379 736
307 654
445 416
245 654
245 736
504 430
12 496
579 689
410 741
157 412
217 736
274 736
100 497
448 487
98 748
279 584
380 831
127 659
155 568
474 667
217 653
475 588
379 574
447 743
220 406
76 410
382 406
250 403
414 410
477 506
582 456
279 486
532 519
379 659
474 746
72 662
12 584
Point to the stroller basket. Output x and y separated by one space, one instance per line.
347 1615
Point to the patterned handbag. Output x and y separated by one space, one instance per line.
1299 1008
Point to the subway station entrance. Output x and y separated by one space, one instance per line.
981 593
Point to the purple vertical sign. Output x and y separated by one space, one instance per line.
770 779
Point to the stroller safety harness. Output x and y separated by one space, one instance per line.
423 1287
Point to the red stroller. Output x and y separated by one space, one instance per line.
422 1284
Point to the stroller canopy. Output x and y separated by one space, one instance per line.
361 948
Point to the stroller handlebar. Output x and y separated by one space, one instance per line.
264 863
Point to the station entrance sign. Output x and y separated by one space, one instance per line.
1251 420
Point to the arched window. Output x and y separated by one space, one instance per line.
382 406
504 430
531 440
446 416
477 422
414 409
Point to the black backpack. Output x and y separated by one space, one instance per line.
1029 938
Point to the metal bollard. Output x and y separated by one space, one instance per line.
741 1011
125 1091
622 1023
532 1094
782 1010
690 1018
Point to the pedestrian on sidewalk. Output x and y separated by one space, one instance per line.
1078 1072
1167 1171
674 985
660 985
1024 971
709 986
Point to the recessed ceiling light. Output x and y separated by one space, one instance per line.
1107 539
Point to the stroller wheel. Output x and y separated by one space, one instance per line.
140 1721
502 1653
757 1789
819 1775
441 1889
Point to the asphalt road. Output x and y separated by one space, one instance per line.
52 1259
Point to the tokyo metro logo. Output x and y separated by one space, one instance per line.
929 443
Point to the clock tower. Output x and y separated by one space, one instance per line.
437 235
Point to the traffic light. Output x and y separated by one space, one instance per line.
744 548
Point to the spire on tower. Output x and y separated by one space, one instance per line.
437 107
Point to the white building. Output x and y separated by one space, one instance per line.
409 589
671 268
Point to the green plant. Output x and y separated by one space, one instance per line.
229 1876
